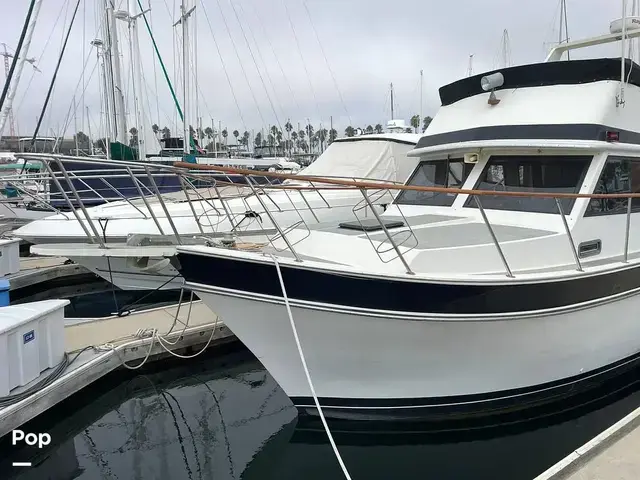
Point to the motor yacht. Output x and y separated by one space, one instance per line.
505 274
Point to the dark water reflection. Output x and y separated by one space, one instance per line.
224 417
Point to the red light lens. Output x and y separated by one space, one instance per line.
612 136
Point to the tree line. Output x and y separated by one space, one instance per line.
304 140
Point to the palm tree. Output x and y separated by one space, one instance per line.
166 133
349 131
271 139
426 121
322 136
294 139
155 128
378 128
301 135
288 127
82 139
245 139
208 132
333 134
309 130
225 134
368 130
415 122
236 134
134 137
257 141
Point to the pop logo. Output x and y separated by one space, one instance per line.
31 439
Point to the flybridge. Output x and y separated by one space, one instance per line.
543 74
553 72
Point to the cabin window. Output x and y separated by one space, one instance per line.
619 175
450 173
531 173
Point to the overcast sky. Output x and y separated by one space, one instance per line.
368 44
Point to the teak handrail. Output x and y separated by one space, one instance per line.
396 186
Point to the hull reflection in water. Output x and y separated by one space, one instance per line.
190 422
223 416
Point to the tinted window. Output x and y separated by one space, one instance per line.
440 173
619 175
530 173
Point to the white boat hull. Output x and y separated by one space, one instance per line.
123 274
356 360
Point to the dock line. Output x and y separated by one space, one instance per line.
306 371
162 340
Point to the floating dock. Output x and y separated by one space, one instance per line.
612 455
36 270
99 346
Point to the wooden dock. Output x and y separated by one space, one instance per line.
117 340
612 455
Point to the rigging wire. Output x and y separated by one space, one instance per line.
235 49
14 63
46 44
266 90
264 64
304 64
266 36
55 74
333 77
224 67
67 120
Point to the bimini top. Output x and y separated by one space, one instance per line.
571 72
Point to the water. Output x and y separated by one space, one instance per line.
222 416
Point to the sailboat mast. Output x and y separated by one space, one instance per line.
392 115
21 57
118 91
91 149
421 91
185 77
136 78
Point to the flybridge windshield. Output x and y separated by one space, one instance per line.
449 173
531 173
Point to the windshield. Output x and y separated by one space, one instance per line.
531 173
450 173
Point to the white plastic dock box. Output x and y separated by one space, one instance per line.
31 341
9 256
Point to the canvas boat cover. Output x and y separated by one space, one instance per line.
373 157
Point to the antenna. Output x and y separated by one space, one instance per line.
564 22
506 49
620 99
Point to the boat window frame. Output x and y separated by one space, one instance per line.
623 210
567 204
417 170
